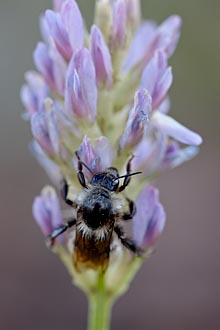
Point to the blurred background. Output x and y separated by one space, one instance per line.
179 287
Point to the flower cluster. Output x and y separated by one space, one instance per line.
104 93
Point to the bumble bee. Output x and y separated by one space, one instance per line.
99 212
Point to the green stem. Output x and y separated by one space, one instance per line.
100 306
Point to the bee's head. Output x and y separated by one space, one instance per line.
107 179
97 208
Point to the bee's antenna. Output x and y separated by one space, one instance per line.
127 175
84 164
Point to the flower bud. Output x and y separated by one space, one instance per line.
45 131
149 220
139 46
34 92
47 212
157 78
81 90
150 38
119 18
97 154
168 34
40 131
52 67
101 57
138 119
58 33
66 27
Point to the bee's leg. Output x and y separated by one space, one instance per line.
127 178
80 173
132 210
127 242
64 193
60 230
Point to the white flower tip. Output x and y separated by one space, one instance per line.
177 20
48 191
174 22
198 140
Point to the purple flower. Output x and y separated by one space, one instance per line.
172 128
101 57
49 166
45 30
34 92
52 67
149 155
58 32
137 120
149 220
164 107
175 156
157 78
47 128
47 212
81 91
119 23
148 39
43 132
97 154
67 129
139 46
156 154
66 27
168 34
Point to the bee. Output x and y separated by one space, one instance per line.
99 213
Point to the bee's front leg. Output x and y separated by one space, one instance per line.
127 242
64 193
80 173
127 178
132 210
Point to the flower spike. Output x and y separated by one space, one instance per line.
98 107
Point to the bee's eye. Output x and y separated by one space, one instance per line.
115 184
